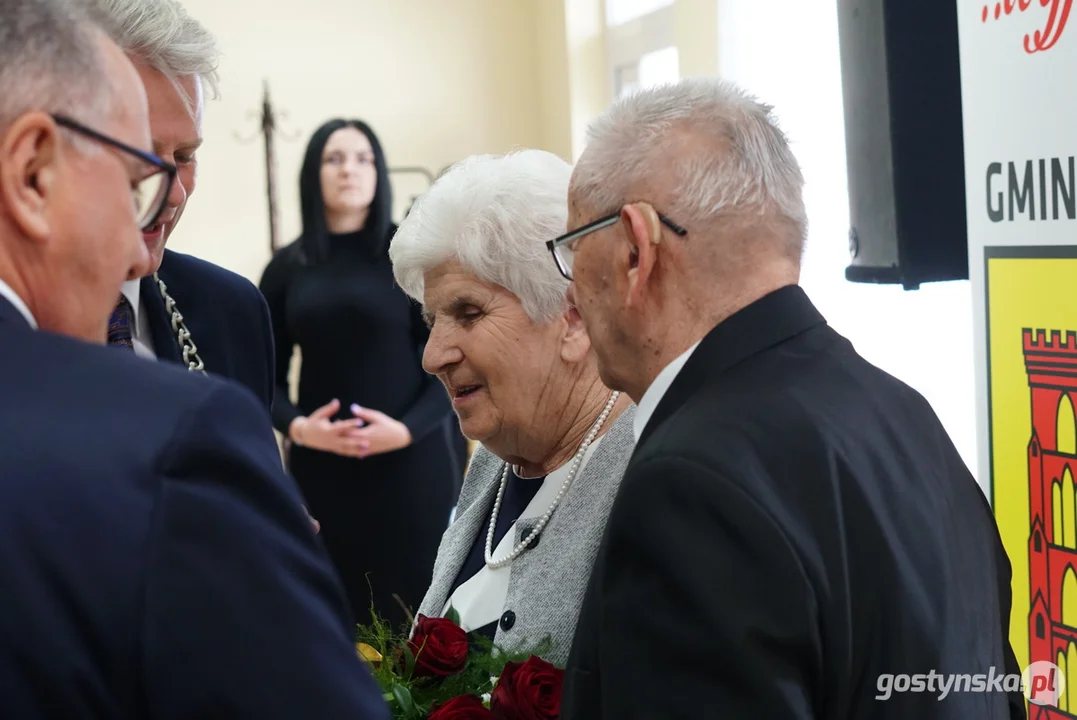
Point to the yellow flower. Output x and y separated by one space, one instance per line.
368 653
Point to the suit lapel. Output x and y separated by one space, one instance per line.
10 316
767 322
164 340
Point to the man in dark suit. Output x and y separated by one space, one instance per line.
186 310
154 559
795 527
223 311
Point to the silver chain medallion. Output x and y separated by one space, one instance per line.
183 335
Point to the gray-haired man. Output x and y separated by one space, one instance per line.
794 522
154 560
221 323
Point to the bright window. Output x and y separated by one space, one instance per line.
924 337
653 68
659 67
642 53
619 12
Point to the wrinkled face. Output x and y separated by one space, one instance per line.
499 367
177 135
71 202
348 175
594 290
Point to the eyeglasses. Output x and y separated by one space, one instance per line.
564 248
150 192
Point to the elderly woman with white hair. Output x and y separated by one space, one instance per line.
518 364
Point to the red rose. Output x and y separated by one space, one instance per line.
528 691
462 707
440 647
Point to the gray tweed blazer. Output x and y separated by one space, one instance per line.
547 582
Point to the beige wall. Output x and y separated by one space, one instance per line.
555 124
696 34
590 89
437 80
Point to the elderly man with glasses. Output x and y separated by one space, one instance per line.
154 559
794 524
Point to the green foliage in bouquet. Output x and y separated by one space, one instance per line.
422 670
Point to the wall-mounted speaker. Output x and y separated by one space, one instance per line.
901 83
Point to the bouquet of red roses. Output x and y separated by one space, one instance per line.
440 673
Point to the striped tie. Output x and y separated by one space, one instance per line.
119 325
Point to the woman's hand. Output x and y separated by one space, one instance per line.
319 432
381 433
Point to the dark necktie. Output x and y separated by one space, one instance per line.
119 325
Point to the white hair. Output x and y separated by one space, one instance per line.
493 214
51 60
165 37
716 150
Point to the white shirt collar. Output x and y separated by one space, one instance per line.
9 294
649 402
132 290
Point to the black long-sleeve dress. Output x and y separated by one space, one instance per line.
361 339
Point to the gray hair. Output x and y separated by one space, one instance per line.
493 214
717 149
165 37
51 60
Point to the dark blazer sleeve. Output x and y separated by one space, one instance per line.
274 287
710 615
1016 699
432 407
243 615
267 350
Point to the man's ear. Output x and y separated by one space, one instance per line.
576 343
29 152
644 232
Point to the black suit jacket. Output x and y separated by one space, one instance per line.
226 315
154 559
794 524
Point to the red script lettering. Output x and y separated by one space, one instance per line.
1054 25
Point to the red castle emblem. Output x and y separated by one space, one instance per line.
1051 365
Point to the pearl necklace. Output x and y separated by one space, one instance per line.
573 468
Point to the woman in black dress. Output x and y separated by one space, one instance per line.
371 445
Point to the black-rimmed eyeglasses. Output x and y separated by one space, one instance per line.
150 192
563 248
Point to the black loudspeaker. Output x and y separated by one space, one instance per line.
901 81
